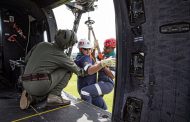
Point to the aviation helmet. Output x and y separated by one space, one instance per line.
65 38
84 43
111 42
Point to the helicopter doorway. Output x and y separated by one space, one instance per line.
104 28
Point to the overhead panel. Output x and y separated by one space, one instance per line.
50 3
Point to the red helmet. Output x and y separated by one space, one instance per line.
110 43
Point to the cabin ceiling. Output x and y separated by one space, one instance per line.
29 3
50 3
31 7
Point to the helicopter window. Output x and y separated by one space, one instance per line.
64 17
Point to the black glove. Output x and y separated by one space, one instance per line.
83 73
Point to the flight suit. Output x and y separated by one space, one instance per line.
49 59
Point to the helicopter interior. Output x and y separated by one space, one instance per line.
153 62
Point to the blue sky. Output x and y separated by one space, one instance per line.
104 17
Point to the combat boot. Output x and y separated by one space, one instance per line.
54 100
25 100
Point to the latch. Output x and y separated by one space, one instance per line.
132 110
137 65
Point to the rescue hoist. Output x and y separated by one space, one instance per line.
78 8
89 23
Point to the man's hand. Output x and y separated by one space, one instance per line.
110 62
108 73
83 73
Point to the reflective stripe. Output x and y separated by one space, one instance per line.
98 89
85 93
86 67
113 73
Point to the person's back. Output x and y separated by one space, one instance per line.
40 60
46 58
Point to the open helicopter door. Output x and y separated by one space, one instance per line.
153 38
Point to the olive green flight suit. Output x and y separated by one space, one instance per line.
49 58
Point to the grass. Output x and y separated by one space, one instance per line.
72 89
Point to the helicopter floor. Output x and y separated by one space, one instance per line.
78 111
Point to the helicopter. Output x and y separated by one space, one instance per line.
153 61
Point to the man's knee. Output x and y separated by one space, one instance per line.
85 96
83 92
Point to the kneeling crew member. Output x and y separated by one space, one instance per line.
48 71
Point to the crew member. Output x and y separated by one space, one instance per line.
88 88
48 71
